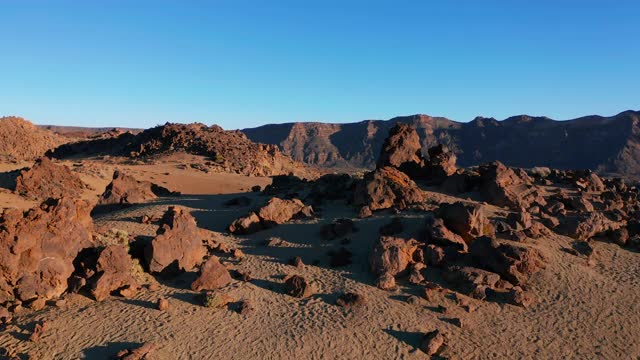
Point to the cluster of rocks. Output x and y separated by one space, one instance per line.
229 151
276 211
126 190
45 180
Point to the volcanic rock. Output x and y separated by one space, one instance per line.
125 189
432 342
276 211
37 248
104 270
387 187
437 233
441 164
392 255
467 279
502 186
350 299
514 263
586 227
178 245
45 180
402 150
466 220
21 140
213 275
140 353
297 286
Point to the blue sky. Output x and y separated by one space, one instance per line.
246 63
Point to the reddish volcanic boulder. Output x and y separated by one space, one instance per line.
213 275
178 245
437 233
441 164
466 220
469 279
387 187
276 211
104 270
140 353
503 186
432 342
125 189
392 255
297 286
586 227
46 180
514 263
402 150
37 248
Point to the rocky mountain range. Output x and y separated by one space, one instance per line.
604 144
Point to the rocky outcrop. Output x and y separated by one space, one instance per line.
228 151
402 150
441 164
298 286
514 263
178 245
603 144
45 180
276 211
392 255
21 140
504 186
213 275
37 248
103 271
385 188
467 220
125 189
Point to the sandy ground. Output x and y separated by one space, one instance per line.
583 312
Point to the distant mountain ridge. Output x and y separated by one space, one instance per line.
604 144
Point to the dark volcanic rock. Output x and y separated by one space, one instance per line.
45 179
514 263
297 286
392 255
105 270
37 248
213 275
466 220
441 164
125 189
402 150
387 187
178 245
276 211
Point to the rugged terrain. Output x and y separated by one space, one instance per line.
21 140
603 144
419 257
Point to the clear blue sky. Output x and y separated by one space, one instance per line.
246 63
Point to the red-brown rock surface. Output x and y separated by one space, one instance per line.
21 140
45 179
392 255
276 211
178 245
467 220
125 189
37 248
402 150
385 188
213 275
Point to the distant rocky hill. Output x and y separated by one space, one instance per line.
78 132
228 151
605 144
21 140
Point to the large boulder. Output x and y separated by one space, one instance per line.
387 187
125 189
467 220
392 255
441 164
104 270
586 227
469 279
504 186
276 211
402 150
514 263
178 245
437 233
213 275
45 180
37 248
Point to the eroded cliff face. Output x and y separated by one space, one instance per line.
605 144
